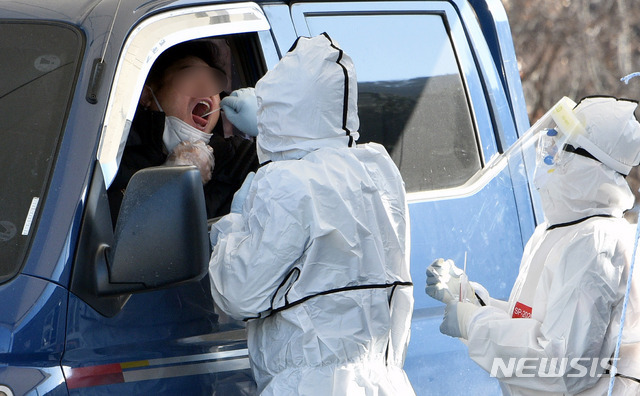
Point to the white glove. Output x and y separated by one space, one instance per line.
457 316
241 108
198 154
443 282
240 195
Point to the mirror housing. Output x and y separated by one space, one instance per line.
161 237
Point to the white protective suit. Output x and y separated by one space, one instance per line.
318 259
569 292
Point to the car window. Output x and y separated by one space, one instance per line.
143 46
38 65
411 94
238 63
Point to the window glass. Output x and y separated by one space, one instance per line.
38 67
411 96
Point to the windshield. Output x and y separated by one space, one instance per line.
38 67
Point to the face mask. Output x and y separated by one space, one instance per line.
176 131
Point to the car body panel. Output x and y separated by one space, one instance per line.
32 332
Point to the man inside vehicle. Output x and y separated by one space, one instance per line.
178 122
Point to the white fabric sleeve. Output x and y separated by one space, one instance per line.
500 304
580 290
483 294
257 248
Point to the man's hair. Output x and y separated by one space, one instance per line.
203 49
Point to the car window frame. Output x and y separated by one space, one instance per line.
146 41
476 83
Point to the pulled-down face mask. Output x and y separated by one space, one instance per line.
176 130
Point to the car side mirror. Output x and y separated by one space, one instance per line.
161 235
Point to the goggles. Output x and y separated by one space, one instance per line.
552 147
548 147
554 132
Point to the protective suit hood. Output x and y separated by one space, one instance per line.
583 188
314 88
612 133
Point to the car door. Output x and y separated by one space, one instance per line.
173 340
430 92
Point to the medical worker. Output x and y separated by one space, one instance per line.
567 300
315 254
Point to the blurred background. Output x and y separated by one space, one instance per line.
576 48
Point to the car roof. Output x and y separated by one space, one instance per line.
76 11
62 10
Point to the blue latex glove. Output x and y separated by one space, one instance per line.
241 109
457 315
240 195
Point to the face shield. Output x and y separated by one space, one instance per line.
543 149
545 145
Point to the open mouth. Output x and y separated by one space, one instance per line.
202 108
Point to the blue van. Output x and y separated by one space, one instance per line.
438 86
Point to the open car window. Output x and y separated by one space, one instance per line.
150 38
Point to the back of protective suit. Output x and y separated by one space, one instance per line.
341 301
318 257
